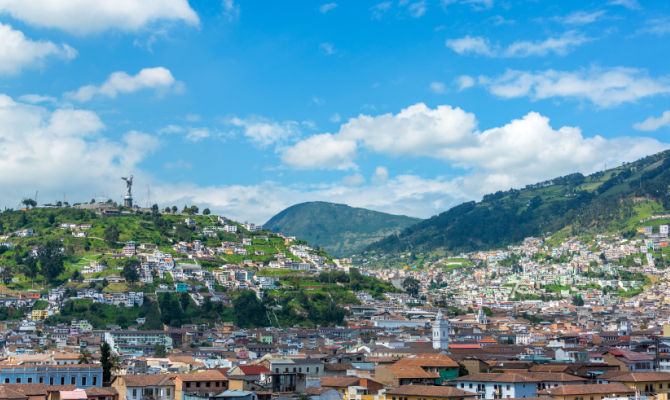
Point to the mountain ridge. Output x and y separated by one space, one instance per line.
601 201
340 229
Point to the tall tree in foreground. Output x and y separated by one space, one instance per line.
108 361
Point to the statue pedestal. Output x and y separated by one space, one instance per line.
128 202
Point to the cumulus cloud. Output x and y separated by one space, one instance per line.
481 46
327 7
604 87
653 123
62 151
417 9
18 52
327 48
158 78
322 151
525 150
84 16
263 132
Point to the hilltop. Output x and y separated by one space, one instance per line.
605 201
339 229
112 266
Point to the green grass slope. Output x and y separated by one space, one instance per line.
339 229
605 201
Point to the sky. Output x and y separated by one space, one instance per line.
248 107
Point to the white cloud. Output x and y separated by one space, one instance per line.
327 48
322 151
581 17
158 78
85 16
62 151
230 9
380 176
656 26
417 9
335 118
37 98
630 4
438 87
524 151
464 82
18 52
468 44
327 7
379 9
197 134
353 180
653 123
604 87
263 132
482 46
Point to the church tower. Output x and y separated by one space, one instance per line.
481 317
440 332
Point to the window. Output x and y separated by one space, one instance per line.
41 379
197 384
62 380
207 384
18 380
51 380
167 391
470 386
277 370
95 380
134 392
507 387
73 380
83 381
6 380
30 380
462 385
307 369
317 370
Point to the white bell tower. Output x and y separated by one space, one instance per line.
481 317
440 332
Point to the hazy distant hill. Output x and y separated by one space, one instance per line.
574 204
339 229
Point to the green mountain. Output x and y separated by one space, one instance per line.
606 201
339 229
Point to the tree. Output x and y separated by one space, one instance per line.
154 208
206 211
411 286
249 311
32 268
50 256
111 235
108 361
160 351
130 270
577 300
29 203
6 274
85 357
167 209
174 209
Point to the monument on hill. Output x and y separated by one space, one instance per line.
128 198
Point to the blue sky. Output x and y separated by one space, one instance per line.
248 107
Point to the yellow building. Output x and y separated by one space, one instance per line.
588 392
38 315
648 383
